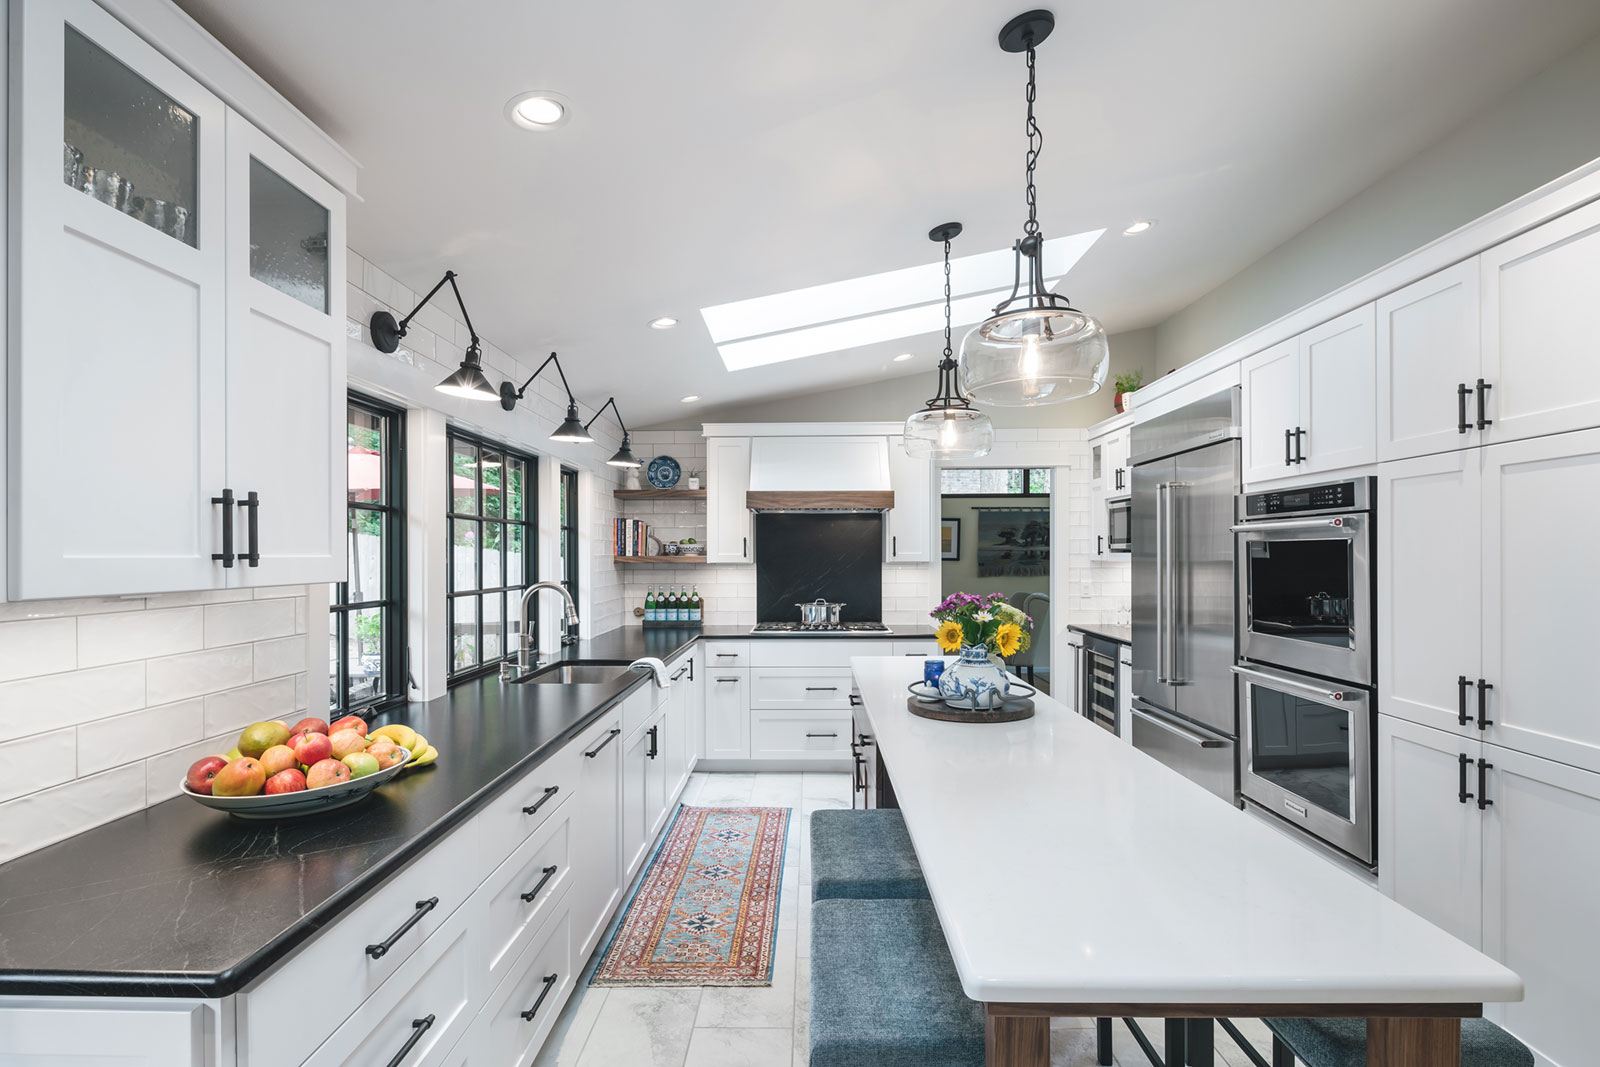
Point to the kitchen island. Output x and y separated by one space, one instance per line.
1075 876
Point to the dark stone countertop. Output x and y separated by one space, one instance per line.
1122 635
178 900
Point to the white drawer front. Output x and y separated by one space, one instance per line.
917 648
822 688
539 870
727 653
129 1035
336 963
436 982
799 735
510 817
813 651
638 707
505 1035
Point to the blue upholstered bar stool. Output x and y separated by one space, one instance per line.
863 855
1343 1043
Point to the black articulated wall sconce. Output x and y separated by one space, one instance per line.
571 428
624 456
468 381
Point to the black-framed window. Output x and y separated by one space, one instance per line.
569 531
994 481
366 611
493 551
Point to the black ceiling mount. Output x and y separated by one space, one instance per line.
1027 30
945 231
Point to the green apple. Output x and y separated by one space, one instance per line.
361 764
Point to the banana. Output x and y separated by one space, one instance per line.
404 736
426 758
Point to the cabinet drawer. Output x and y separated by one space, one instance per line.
727 654
800 687
813 651
541 868
678 672
929 648
129 1034
638 707
521 1012
799 735
337 965
523 808
436 986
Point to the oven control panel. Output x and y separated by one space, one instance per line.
1351 495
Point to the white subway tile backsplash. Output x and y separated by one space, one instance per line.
198 596
52 609
37 646
41 818
252 620
34 705
280 657
139 635
38 762
121 739
238 708
175 678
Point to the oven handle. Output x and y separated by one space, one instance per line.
1194 737
1283 682
1336 522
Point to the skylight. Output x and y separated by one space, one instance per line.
878 307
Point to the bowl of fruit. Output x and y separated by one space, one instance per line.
278 771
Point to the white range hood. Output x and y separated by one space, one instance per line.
804 473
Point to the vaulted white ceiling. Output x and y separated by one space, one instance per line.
721 150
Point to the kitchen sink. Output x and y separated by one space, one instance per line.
579 672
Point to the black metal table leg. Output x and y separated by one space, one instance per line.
1201 1043
1102 1042
1177 1031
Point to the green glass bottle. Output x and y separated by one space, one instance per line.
696 607
650 614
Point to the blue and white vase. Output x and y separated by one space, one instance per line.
972 678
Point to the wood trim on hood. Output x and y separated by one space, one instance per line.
799 500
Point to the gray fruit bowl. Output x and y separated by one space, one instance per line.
305 802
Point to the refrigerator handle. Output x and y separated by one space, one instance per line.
1173 675
1162 549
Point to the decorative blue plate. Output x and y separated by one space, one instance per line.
663 472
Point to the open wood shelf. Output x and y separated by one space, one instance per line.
659 494
659 559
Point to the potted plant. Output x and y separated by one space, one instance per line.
694 479
1127 383
984 629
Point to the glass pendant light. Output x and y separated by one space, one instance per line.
949 427
1036 348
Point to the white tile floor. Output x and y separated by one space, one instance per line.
767 1026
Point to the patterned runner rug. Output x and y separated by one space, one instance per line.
706 912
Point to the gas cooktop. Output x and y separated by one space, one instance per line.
820 628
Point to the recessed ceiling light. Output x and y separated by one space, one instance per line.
691 398
1138 227
665 322
902 357
542 109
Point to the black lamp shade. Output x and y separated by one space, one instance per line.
468 382
571 428
624 456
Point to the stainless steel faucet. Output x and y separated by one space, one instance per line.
569 622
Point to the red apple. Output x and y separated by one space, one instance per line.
201 771
289 781
349 722
312 725
278 758
327 772
244 777
312 748
345 742
386 752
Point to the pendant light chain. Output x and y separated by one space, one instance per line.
947 352
1035 144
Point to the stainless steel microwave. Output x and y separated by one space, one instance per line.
1119 524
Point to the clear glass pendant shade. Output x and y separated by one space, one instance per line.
1034 356
948 433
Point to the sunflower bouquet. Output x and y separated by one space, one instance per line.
971 620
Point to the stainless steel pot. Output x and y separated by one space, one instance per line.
820 612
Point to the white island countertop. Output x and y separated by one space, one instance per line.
1068 867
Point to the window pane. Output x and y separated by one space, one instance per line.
464 553
366 447
514 563
366 556
464 632
288 238
366 655
333 660
493 625
493 470
464 478
494 536
516 489
992 481
127 144
1039 480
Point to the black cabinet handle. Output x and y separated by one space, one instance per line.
378 951
251 504
1461 791
855 700
744 553
822 689
681 672
866 739
533 809
822 735
1483 392
610 737
727 679
549 873
894 546
1484 722
727 655
549 984
655 749
856 775
1288 436
1299 445
1484 767
418 1028
226 555
1462 685
1099 544
1462 425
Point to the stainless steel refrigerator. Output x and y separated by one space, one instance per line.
1185 477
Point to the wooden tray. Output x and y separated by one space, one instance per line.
1011 709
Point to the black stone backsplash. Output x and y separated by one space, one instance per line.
800 557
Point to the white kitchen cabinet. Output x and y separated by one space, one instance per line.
1272 411
910 523
1541 862
799 735
1428 350
1430 838
1109 477
794 688
728 529
286 361
126 1033
597 844
541 981
1069 690
727 719
1125 694
643 790
1541 351
922 649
